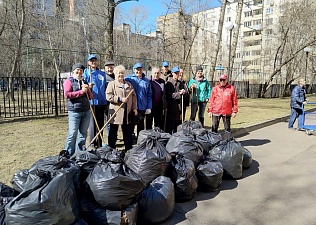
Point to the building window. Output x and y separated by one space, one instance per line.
248 14
269 10
257 12
247 24
269 21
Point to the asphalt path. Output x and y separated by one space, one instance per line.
278 188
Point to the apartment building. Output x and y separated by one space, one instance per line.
252 60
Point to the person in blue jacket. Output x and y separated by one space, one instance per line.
298 98
142 87
98 102
201 91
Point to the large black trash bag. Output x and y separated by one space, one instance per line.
109 154
161 136
6 191
247 160
3 202
19 179
94 214
6 195
49 199
209 174
148 160
86 160
157 201
113 185
230 154
189 125
182 174
207 139
184 142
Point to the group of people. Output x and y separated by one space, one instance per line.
94 96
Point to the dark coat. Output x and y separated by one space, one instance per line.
173 98
298 97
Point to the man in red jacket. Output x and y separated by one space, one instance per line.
223 103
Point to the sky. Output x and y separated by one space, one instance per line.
154 9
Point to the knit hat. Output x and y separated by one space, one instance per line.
199 68
78 66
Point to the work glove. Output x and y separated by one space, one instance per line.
148 111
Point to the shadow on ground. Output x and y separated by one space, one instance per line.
254 142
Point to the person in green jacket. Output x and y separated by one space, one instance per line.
200 92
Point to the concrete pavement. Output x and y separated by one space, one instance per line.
279 188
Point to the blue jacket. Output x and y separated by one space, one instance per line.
298 97
99 81
143 91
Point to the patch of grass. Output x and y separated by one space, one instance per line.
24 141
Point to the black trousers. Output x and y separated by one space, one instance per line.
216 119
155 116
141 124
127 130
171 126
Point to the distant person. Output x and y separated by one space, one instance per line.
98 102
143 91
77 92
201 91
223 103
109 71
116 93
157 86
166 72
298 98
186 100
174 91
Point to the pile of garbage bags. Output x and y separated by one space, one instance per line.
108 186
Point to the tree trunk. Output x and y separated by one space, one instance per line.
108 33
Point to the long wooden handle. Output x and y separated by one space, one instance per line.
107 122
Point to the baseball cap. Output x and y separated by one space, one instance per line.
165 63
108 63
175 69
137 65
92 56
223 77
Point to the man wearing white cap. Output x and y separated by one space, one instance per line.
223 103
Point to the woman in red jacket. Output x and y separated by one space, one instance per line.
223 103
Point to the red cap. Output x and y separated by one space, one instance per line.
223 76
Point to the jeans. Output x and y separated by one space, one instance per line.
77 121
296 113
194 108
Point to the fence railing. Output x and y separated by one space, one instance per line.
34 96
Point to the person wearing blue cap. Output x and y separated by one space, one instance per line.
201 91
97 77
142 87
76 91
165 71
174 91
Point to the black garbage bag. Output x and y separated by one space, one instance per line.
6 195
184 142
157 201
206 138
3 202
109 154
182 174
247 160
80 222
6 191
161 136
149 159
19 179
94 214
230 154
86 160
209 174
113 185
189 125
49 199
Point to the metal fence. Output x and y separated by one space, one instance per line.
33 96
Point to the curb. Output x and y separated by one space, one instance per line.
239 132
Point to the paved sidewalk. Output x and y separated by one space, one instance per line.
278 189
